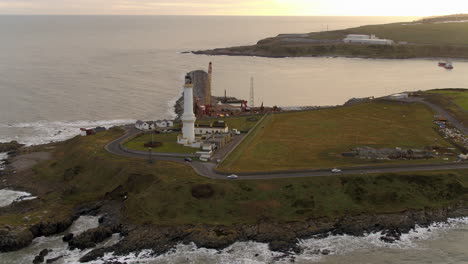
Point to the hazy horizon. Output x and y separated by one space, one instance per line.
233 7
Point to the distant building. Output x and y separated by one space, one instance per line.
399 96
164 123
152 125
215 127
367 39
142 125
91 131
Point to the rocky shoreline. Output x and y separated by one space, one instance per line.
227 52
281 236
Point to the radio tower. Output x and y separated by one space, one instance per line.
252 97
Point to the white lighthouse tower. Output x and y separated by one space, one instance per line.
188 118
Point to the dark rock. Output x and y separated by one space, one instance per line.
93 255
12 239
68 237
280 246
387 239
325 252
90 238
38 259
51 228
44 252
10 146
213 237
52 260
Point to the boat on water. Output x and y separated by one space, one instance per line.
446 65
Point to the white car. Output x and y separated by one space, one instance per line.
335 170
233 176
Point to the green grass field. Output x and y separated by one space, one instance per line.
166 193
459 97
434 34
169 144
454 101
316 139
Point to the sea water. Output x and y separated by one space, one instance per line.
61 73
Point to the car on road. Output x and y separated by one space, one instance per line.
335 170
188 160
232 177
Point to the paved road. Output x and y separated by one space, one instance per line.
441 112
207 169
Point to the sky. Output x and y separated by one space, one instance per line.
238 7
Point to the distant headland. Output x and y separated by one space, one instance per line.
433 37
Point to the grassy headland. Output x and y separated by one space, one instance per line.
454 101
167 193
414 40
316 139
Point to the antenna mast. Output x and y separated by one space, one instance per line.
252 98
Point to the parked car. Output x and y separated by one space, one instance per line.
232 177
335 170
188 160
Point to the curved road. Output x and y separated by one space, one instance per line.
207 169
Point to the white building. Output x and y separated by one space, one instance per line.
399 96
203 130
152 125
142 125
164 123
188 118
367 39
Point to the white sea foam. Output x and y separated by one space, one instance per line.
43 132
8 197
253 252
241 252
3 157
57 246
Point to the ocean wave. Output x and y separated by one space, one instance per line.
43 132
8 197
253 252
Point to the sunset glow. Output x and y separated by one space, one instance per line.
239 7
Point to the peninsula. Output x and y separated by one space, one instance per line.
436 37
156 205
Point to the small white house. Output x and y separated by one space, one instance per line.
164 123
204 130
367 39
142 125
152 125
215 127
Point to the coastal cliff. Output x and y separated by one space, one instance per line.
435 37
